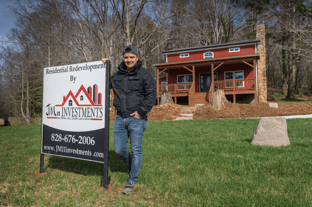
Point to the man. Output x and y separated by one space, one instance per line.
135 95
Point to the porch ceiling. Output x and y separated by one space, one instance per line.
224 60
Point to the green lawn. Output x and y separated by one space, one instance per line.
186 163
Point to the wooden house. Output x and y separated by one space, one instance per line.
238 67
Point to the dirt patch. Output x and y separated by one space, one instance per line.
166 111
110 189
38 174
170 111
252 110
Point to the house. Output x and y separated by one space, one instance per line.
239 69
83 97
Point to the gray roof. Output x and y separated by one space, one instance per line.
224 45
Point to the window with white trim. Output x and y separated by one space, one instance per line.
208 55
163 87
236 75
184 79
237 49
184 55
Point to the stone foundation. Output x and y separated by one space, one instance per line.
262 81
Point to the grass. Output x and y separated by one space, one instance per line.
186 163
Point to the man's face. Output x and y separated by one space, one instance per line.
130 60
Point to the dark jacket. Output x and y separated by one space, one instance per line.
134 91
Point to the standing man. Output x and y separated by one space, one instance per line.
135 95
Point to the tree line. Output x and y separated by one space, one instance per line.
61 32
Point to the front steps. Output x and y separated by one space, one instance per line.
187 112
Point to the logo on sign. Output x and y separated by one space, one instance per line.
85 105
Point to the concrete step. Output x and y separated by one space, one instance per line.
198 105
183 118
186 115
188 110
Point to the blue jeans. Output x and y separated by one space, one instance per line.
133 128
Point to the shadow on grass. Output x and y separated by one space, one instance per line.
292 100
247 140
86 167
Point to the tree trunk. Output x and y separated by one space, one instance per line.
27 100
22 110
218 99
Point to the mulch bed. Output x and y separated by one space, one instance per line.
166 111
253 110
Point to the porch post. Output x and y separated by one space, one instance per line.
193 67
212 79
157 84
234 98
255 82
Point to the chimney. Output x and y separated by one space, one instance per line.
262 81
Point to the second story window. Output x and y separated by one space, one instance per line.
208 55
184 55
237 49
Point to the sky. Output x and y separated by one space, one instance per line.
7 17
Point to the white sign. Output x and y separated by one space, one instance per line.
73 114
73 96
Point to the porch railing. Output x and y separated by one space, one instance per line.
239 85
226 85
175 88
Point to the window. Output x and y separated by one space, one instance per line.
70 103
81 98
184 55
163 87
236 75
185 79
237 49
208 55
164 74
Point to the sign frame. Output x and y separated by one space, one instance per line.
106 179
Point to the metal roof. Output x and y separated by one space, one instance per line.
224 45
208 61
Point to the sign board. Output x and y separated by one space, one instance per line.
74 111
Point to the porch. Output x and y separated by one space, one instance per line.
242 86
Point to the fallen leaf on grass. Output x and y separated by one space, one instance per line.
119 190
39 174
109 188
